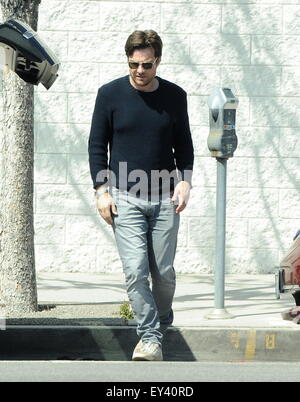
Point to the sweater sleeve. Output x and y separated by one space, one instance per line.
183 145
100 135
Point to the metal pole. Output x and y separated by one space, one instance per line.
219 311
220 233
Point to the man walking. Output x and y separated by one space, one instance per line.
143 120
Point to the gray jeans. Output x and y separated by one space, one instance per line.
146 238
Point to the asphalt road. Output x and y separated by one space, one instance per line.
138 372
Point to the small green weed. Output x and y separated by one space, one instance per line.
126 311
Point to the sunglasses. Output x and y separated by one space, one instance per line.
147 66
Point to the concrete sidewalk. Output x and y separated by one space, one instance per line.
249 298
83 322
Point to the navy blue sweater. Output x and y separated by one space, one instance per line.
147 130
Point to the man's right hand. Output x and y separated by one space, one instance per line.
106 207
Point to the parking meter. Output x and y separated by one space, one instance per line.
24 52
222 139
222 142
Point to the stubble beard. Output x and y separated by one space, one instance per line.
143 83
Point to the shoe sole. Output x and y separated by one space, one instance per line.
143 358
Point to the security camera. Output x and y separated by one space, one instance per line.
24 52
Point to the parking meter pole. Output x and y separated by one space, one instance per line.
219 311
220 233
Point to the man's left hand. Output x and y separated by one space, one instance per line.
182 193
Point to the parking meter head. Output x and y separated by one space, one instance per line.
222 140
25 53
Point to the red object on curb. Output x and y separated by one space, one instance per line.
291 264
288 274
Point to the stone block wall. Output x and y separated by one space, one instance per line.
252 47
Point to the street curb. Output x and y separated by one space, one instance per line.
108 343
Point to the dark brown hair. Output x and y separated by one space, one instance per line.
142 40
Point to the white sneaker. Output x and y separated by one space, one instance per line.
147 351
